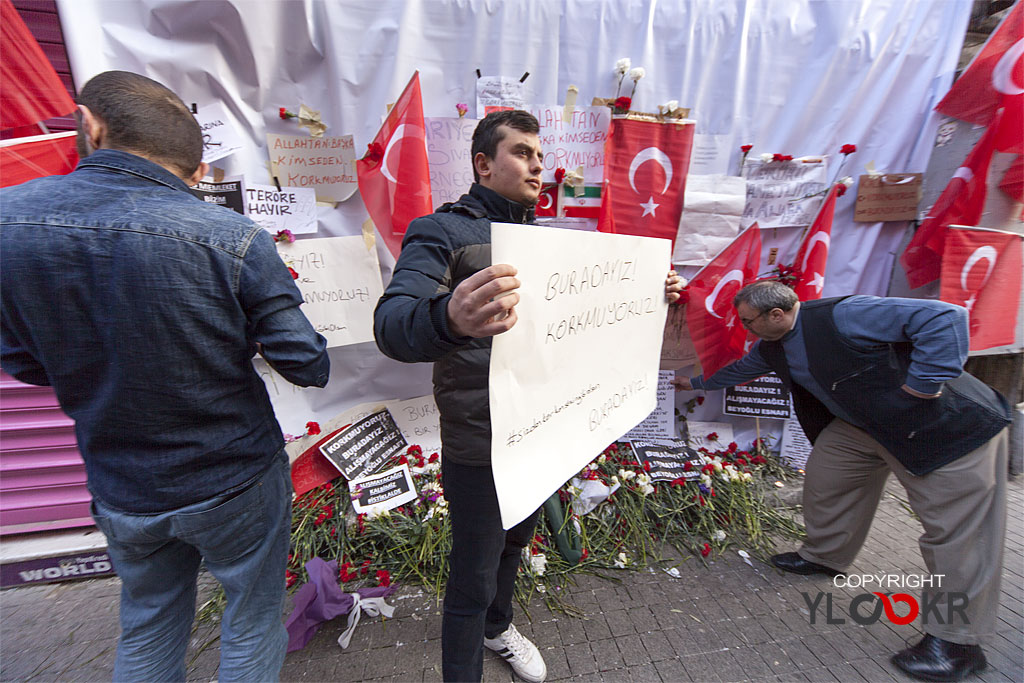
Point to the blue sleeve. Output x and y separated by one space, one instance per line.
751 366
410 322
271 300
937 331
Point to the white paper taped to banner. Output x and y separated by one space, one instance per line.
290 208
573 143
326 164
340 282
580 367
449 141
772 185
220 137
712 210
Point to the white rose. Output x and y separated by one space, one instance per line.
671 106
538 563
637 73
766 157
705 479
622 66
719 535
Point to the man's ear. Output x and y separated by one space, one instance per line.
95 130
482 165
198 174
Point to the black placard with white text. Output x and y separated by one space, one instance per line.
763 397
365 445
668 462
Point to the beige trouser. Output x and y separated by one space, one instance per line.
962 506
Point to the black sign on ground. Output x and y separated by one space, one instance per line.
763 397
365 446
384 491
228 194
668 461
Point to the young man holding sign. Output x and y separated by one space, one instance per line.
444 303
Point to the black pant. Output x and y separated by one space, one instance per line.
482 569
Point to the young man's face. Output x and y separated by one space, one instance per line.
515 170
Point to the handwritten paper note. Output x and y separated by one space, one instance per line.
448 152
498 92
660 425
220 137
418 420
340 282
771 186
574 143
325 164
290 208
580 367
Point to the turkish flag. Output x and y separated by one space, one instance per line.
22 159
547 202
645 167
394 178
717 334
994 79
982 271
33 91
811 261
961 203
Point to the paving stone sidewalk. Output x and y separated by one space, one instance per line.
724 621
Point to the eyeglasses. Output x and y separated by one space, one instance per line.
748 323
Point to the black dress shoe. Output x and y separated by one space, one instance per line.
934 659
792 562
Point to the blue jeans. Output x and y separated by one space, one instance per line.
243 538
482 568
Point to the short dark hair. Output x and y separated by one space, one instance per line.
488 135
765 295
145 118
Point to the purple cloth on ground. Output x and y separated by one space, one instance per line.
322 599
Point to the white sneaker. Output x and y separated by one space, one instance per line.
520 653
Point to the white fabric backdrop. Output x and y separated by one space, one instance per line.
799 77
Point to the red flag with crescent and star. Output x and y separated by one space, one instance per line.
645 167
994 79
717 334
812 257
982 271
394 178
961 203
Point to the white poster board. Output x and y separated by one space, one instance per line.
773 186
326 164
660 425
498 92
449 141
573 143
712 210
220 137
339 278
418 420
290 208
580 367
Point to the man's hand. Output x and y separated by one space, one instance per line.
681 383
483 304
673 285
915 392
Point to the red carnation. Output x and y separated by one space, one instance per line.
713 436
623 103
700 400
746 148
584 555
285 114
312 428
848 149
295 273
559 175
706 550
432 458
383 577
840 189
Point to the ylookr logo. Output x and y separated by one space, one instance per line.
868 608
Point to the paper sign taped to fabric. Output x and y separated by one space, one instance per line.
494 93
290 208
795 447
770 187
580 367
712 212
418 420
660 425
340 283
228 192
700 434
449 141
325 164
220 137
573 143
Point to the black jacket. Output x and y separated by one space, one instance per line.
923 434
410 322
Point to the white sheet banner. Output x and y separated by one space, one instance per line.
573 143
580 367
712 210
340 281
772 188
449 141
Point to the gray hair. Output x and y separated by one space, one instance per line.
765 295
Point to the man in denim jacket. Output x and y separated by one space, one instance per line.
143 306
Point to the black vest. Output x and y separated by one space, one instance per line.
923 434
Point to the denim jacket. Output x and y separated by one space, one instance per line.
143 307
